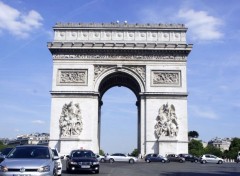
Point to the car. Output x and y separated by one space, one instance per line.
82 160
37 160
189 157
175 158
4 153
120 157
59 162
209 158
100 158
238 157
152 157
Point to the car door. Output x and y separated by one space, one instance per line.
154 158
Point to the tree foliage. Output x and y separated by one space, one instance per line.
210 149
233 149
135 153
193 134
195 147
101 152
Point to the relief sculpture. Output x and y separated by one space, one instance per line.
167 124
70 121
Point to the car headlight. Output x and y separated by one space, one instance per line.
44 169
73 163
95 163
3 168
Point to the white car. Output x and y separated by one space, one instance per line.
120 157
58 161
208 158
100 158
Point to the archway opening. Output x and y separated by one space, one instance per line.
118 121
119 117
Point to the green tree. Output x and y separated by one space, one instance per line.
195 147
233 149
101 152
135 153
193 134
213 150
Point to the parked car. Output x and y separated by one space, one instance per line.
82 160
29 160
175 158
238 157
189 157
208 158
58 161
100 158
4 152
152 157
120 157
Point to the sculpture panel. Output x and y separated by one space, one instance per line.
166 78
167 124
78 77
70 121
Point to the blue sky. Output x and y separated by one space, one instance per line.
213 65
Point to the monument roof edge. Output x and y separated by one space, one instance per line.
118 26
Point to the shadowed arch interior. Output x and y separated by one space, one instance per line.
119 79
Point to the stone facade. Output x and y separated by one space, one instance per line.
149 59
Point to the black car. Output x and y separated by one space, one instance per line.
4 153
82 160
175 158
155 158
189 157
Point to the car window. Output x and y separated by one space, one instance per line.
55 153
30 153
84 154
154 155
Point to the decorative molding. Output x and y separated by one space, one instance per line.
99 69
139 70
72 77
167 123
166 78
70 122
121 56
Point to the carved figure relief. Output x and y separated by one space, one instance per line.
167 124
166 78
78 77
70 121
99 69
139 70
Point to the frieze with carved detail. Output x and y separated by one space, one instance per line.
70 122
78 77
165 78
99 69
167 122
139 70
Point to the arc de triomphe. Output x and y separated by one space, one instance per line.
149 59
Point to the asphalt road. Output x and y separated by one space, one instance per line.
163 169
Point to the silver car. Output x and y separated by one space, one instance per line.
120 157
29 160
208 158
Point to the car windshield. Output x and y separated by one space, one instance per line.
30 153
85 154
55 152
6 151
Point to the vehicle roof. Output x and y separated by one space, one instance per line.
43 146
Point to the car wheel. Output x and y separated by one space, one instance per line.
102 160
163 161
111 160
203 161
195 161
220 162
97 171
181 161
148 161
131 161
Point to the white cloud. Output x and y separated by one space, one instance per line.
202 26
18 23
202 112
38 122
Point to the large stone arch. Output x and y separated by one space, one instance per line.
149 59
